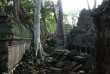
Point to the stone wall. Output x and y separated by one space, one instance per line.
15 38
82 36
102 21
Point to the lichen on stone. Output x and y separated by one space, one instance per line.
9 29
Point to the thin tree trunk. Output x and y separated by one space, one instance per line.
43 10
88 5
94 4
45 28
54 12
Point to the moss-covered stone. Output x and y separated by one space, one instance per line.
5 36
20 31
14 41
9 29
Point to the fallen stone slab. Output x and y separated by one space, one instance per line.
60 63
80 59
70 66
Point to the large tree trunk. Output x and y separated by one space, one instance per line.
47 33
26 19
38 46
59 29
16 9
21 15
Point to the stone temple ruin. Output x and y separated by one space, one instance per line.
15 38
67 28
102 21
83 35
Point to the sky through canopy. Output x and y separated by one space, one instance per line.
69 5
76 5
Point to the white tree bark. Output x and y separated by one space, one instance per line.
38 46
